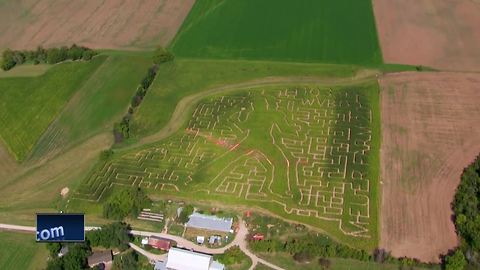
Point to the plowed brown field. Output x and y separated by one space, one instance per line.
443 34
125 24
430 133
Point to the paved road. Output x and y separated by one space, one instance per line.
240 241
31 228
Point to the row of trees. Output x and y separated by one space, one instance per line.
114 235
75 259
121 130
125 202
231 256
306 247
466 208
11 58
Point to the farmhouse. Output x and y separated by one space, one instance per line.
180 259
159 243
100 257
211 223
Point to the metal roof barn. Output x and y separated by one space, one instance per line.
184 259
212 223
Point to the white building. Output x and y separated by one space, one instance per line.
212 223
181 259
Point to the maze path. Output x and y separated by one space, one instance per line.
322 135
246 176
171 165
328 152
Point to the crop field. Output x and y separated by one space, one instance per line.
340 31
95 24
306 153
19 251
425 32
29 105
184 77
430 133
102 99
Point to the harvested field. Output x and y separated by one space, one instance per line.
97 24
430 133
429 32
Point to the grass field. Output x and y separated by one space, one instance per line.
306 153
19 251
102 99
184 77
29 105
26 70
340 31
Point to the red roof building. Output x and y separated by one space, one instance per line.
258 237
159 243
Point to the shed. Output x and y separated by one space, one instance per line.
200 240
159 243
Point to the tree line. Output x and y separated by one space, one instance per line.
125 202
121 130
313 247
115 235
466 208
12 58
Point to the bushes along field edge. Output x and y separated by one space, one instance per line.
121 130
12 58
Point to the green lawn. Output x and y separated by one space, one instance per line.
102 99
185 77
340 31
29 105
176 229
20 251
304 152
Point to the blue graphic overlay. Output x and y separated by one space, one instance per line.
60 227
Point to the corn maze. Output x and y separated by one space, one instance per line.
305 149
